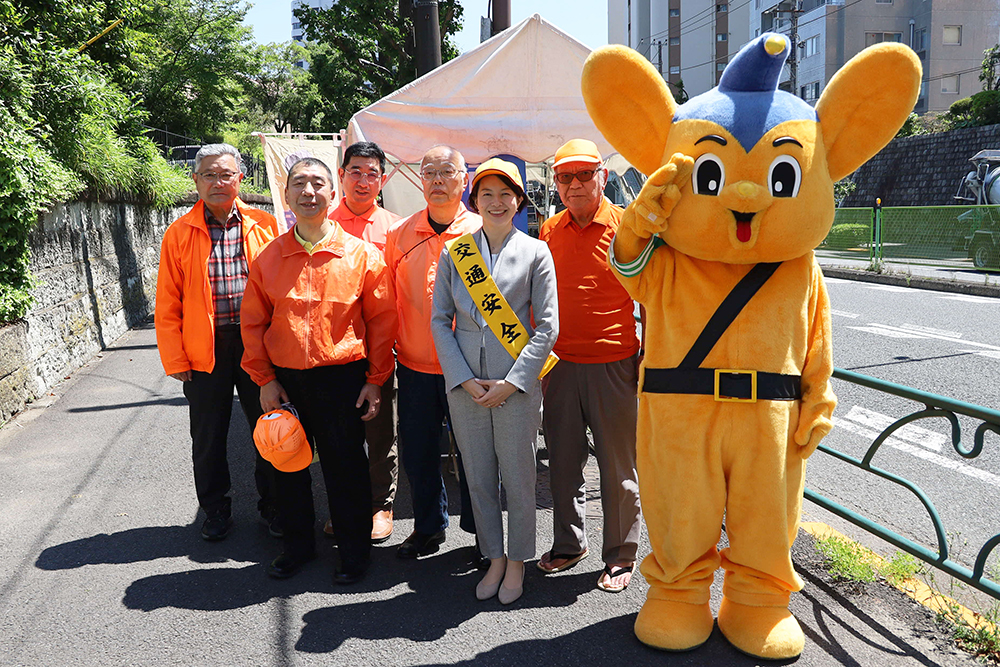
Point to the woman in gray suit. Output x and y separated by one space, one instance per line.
494 397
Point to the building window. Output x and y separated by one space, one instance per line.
952 35
920 39
949 84
883 2
721 8
810 46
675 41
810 91
720 67
721 36
756 32
675 69
675 12
876 37
295 25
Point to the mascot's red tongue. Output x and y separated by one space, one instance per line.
743 231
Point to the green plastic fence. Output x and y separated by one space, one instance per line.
953 236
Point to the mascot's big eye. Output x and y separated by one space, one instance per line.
708 176
784 176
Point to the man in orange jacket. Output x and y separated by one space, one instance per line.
412 250
362 175
319 321
204 261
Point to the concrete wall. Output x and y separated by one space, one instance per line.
921 171
95 266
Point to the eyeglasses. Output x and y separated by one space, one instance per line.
212 177
358 175
583 176
447 173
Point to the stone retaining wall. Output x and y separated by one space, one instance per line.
924 170
95 267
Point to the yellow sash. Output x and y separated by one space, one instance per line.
499 316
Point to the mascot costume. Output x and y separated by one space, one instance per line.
734 391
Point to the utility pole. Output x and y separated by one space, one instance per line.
501 15
793 57
427 34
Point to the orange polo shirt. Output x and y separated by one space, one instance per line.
304 309
596 324
412 250
371 226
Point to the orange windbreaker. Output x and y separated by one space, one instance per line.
371 226
184 314
334 306
412 250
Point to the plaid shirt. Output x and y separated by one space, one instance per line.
227 266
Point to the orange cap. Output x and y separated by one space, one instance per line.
578 150
499 167
280 439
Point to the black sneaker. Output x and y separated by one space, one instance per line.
216 527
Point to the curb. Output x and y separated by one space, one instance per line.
918 591
916 282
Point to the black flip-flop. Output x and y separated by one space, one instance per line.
612 574
571 560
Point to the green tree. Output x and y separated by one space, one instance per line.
990 74
192 63
288 97
65 124
367 51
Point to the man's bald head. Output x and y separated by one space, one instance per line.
446 153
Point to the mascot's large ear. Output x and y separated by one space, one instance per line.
866 103
629 103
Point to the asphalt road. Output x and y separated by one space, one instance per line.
101 564
943 343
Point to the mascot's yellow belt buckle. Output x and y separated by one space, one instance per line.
731 399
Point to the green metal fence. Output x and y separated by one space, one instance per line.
960 237
934 407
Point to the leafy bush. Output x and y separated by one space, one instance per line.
960 107
985 108
848 235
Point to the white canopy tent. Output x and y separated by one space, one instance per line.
517 93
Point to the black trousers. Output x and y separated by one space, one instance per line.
324 398
210 401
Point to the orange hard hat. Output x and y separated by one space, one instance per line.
280 439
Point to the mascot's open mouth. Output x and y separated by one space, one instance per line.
743 231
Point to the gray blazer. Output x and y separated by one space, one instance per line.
526 276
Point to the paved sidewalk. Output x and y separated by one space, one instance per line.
919 275
101 563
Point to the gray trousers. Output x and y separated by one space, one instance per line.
499 444
603 397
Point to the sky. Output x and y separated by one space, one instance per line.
585 20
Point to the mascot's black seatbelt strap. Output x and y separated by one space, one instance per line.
727 385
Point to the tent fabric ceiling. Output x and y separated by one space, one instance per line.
517 93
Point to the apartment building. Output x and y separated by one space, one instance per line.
948 35
298 34
686 40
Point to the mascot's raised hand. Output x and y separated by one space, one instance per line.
660 193
734 390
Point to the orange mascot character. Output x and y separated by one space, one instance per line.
734 391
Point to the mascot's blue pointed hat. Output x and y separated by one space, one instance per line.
747 101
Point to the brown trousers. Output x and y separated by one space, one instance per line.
603 397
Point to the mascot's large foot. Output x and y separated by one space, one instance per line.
765 632
673 626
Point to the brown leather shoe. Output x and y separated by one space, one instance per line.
381 526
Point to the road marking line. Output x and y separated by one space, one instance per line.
992 354
928 330
918 435
889 288
930 335
930 457
843 313
970 299
888 333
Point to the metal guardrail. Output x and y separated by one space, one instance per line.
934 407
